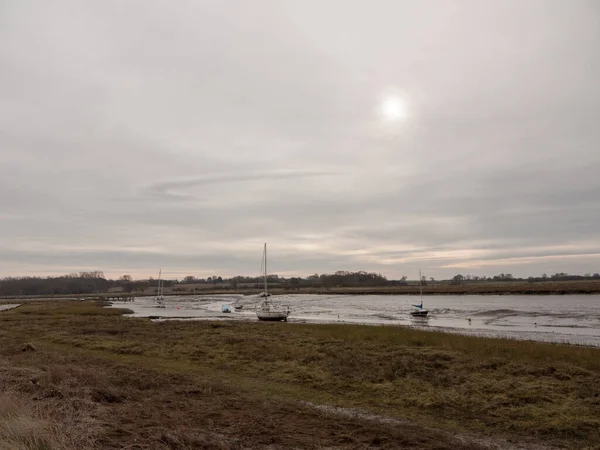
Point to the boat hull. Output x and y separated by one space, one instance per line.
272 316
419 313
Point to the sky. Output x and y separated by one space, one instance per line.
386 136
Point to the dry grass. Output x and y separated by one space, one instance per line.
437 288
21 426
242 385
473 288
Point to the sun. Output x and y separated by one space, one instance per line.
393 109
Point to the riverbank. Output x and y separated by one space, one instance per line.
483 288
581 287
86 377
431 288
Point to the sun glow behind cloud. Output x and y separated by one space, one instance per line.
393 109
393 106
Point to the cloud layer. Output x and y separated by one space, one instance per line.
137 135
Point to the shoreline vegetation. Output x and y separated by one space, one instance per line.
579 287
486 288
78 375
94 283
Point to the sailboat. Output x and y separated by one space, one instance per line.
420 311
268 310
160 298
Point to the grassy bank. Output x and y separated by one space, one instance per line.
93 379
483 288
437 288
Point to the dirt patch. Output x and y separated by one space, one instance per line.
468 439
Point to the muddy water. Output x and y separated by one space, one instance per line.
7 307
571 318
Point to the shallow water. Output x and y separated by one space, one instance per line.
558 318
7 307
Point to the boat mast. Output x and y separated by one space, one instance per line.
158 288
265 253
420 288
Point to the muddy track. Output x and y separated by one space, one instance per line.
469 439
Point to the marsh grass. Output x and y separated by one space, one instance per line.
21 427
529 391
441 288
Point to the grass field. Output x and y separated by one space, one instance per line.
437 288
76 375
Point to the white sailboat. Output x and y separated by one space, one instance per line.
269 310
420 311
160 298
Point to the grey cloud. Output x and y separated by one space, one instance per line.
136 135
166 187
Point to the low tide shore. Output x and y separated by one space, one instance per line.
84 376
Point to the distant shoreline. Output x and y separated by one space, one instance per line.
437 288
580 287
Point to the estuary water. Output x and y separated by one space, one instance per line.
571 319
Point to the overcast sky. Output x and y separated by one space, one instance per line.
387 136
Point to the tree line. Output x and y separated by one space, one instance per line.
561 276
96 282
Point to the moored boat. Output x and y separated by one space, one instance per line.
419 310
269 310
